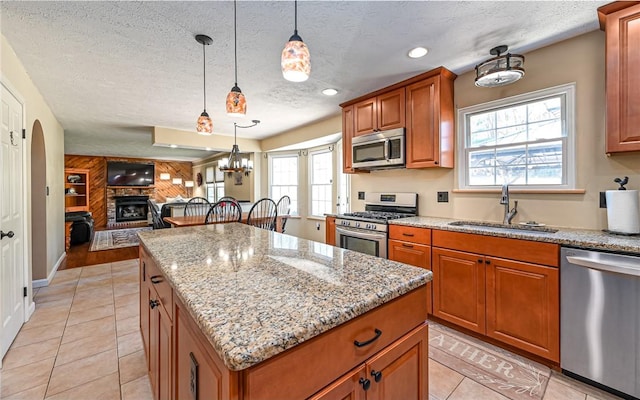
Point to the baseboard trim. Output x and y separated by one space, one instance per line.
45 282
30 311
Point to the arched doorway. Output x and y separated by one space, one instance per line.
38 204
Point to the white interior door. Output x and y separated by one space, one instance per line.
11 221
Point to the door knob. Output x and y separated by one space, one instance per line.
8 234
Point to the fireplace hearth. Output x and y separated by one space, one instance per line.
131 208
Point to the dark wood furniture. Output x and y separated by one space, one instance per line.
621 23
224 211
263 214
76 189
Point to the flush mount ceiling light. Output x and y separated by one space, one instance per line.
296 61
236 102
205 125
500 70
418 52
329 92
234 163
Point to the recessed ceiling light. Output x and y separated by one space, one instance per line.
418 52
173 146
329 92
207 148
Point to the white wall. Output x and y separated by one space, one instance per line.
37 109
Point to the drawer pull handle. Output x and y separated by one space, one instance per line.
153 304
480 261
368 342
407 234
487 262
156 279
407 245
366 384
377 375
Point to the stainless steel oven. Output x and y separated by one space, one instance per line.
364 241
366 231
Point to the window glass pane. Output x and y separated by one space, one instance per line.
545 174
544 110
285 170
321 168
512 134
482 122
209 175
507 156
545 130
484 158
545 153
511 116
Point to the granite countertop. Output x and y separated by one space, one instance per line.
583 238
256 293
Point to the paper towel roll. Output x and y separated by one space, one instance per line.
623 213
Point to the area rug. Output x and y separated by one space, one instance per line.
115 239
508 374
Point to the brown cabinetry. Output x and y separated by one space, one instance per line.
379 113
507 289
76 189
411 246
621 23
330 230
422 104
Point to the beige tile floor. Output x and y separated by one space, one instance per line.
83 342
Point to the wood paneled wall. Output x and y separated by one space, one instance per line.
97 167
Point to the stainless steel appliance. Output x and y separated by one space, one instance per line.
379 150
600 319
366 231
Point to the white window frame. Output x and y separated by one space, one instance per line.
568 155
311 184
294 211
216 184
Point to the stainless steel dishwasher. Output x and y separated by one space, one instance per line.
600 319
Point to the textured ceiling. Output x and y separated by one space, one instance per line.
110 71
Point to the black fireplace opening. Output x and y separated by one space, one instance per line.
131 208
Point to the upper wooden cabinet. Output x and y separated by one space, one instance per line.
76 189
422 104
621 22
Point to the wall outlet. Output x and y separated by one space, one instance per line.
443 197
317 226
603 200
360 195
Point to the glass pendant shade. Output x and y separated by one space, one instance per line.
296 60
205 125
236 103
500 70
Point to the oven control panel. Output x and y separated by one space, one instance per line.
369 226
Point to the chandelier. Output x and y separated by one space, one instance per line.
235 163
500 70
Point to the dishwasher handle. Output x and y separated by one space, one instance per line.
625 268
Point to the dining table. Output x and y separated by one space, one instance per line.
193 220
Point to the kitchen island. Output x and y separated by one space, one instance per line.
232 311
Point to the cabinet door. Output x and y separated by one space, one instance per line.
400 371
330 230
154 347
459 288
347 135
412 254
144 307
623 78
391 110
165 365
348 387
423 122
364 115
523 306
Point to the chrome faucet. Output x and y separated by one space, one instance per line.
508 214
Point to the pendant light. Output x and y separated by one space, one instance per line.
296 61
236 102
500 70
205 125
235 163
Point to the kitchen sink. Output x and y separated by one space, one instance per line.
527 228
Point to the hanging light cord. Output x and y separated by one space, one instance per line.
204 74
295 18
235 40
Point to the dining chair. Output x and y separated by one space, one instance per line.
224 211
228 198
283 206
197 206
156 219
263 214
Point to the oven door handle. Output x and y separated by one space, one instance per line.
349 232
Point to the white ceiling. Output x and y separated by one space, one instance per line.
110 71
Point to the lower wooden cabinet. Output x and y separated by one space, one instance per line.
522 306
397 372
330 230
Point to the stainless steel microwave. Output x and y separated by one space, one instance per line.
379 150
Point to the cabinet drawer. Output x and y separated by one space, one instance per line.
513 249
410 234
156 279
322 359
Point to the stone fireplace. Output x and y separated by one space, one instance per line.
131 208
